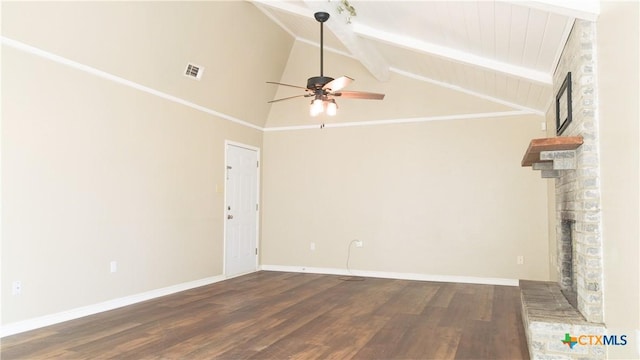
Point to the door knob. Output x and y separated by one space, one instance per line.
229 216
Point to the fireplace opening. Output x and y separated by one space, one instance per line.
568 283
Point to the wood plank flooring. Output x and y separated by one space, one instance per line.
277 315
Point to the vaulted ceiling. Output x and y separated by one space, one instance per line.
505 52
432 59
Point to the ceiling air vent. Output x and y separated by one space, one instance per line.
194 71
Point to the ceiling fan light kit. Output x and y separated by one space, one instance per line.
322 88
332 107
320 105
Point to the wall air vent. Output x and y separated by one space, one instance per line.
194 71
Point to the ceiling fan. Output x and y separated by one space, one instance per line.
322 88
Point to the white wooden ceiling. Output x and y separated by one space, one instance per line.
502 51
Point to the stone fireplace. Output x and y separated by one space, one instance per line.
547 314
577 191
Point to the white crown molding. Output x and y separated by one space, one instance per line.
108 76
42 321
393 275
466 91
105 75
403 121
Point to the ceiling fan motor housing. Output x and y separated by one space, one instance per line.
321 16
317 82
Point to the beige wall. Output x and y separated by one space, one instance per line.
619 81
95 171
435 198
151 42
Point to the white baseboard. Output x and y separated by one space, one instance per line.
394 275
39 322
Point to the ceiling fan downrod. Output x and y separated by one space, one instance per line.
321 17
316 83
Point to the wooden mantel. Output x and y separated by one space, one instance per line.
532 155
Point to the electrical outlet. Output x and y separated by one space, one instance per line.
312 247
16 288
359 243
520 260
113 266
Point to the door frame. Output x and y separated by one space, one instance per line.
228 143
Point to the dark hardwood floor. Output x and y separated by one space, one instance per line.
276 315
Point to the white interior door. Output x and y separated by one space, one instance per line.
241 210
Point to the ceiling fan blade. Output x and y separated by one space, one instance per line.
359 95
293 86
287 98
339 83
